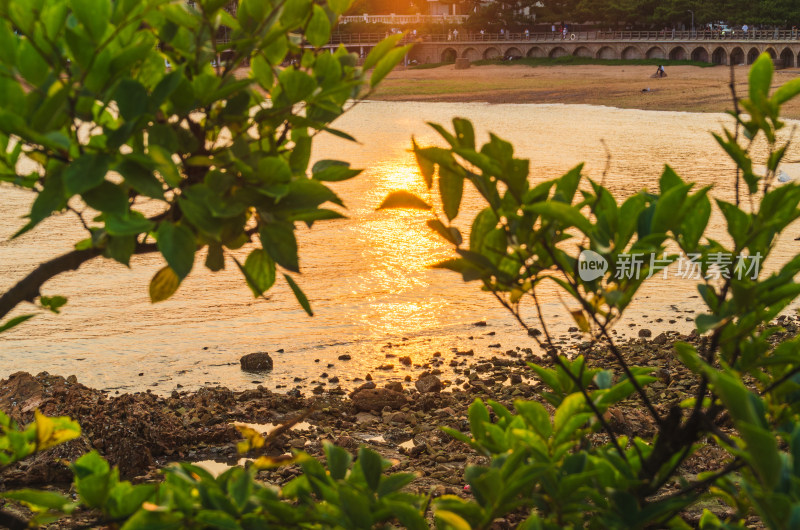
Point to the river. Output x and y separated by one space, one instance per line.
368 277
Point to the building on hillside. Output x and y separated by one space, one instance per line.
435 7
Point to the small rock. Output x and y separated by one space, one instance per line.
256 362
660 339
644 333
405 360
480 323
378 398
428 383
344 357
397 386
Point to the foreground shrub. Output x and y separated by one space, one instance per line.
597 250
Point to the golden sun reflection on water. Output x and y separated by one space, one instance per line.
397 246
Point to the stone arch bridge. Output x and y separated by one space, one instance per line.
788 55
709 47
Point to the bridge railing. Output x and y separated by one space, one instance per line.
555 36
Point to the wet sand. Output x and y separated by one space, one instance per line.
686 88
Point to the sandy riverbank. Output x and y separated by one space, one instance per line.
687 88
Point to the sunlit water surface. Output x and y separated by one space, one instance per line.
368 277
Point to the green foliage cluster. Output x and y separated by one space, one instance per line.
161 139
343 495
530 234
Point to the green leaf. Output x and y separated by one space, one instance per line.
299 294
279 240
450 521
333 171
107 198
760 78
94 16
450 233
403 199
217 519
426 165
43 499
478 416
572 405
380 51
14 322
177 244
154 520
338 461
387 64
318 31
132 99
787 91
372 465
52 303
85 173
604 379
215 260
163 285
296 85
706 322
451 188
259 271
129 225
394 483
140 179
561 212
465 133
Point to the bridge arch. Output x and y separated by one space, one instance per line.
752 55
491 53
787 56
582 51
678 53
536 52
719 56
471 54
631 52
557 52
513 52
771 51
449 55
700 54
737 56
656 52
606 52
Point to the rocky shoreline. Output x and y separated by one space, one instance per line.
142 432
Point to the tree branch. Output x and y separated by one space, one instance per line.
27 289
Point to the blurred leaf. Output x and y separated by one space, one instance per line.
403 199
163 285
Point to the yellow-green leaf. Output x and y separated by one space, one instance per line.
163 285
